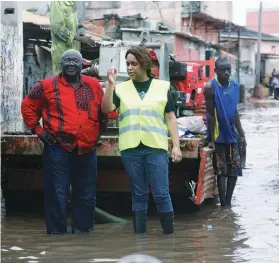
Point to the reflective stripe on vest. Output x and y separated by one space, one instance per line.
143 113
142 121
137 127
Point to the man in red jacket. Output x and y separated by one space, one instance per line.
69 104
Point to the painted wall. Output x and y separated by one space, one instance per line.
11 68
218 9
186 50
270 21
198 28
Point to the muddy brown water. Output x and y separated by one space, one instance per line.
248 232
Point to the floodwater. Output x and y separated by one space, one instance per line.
248 232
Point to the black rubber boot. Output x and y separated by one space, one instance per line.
230 188
166 219
139 221
221 183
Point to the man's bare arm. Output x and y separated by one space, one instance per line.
238 125
208 94
240 130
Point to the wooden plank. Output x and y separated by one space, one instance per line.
107 146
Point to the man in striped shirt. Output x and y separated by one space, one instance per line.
69 105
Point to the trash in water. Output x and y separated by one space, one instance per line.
104 260
29 257
16 248
209 228
5 250
139 258
43 253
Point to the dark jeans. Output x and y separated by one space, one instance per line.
62 169
143 164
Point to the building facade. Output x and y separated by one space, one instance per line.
170 12
270 21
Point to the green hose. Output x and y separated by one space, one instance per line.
102 217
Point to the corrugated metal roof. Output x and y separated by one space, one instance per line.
220 23
42 21
124 29
250 34
196 39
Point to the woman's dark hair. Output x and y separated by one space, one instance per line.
143 57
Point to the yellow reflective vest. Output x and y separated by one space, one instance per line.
143 120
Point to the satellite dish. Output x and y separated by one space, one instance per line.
43 10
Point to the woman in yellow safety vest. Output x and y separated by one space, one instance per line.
146 115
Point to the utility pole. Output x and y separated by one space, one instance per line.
81 11
258 65
238 55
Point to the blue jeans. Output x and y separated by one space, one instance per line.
62 169
145 164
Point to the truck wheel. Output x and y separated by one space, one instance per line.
276 94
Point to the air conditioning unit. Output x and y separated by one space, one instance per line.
191 6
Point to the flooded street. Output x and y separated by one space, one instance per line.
248 232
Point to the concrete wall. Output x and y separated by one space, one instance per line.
169 12
270 47
35 67
218 9
270 64
45 61
248 60
154 37
249 49
11 68
33 5
183 49
247 55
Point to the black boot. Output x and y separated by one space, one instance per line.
166 219
230 188
221 183
139 221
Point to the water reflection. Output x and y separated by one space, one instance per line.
249 232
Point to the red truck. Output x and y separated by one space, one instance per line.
193 178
